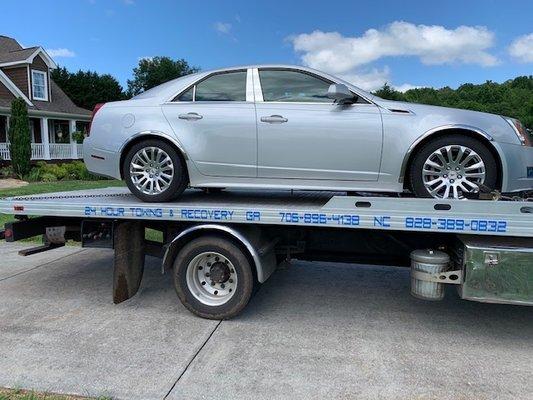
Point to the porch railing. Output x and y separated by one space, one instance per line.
56 151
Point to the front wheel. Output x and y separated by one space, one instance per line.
154 171
213 278
452 167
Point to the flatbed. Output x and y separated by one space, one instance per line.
271 227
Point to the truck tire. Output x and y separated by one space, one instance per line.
213 278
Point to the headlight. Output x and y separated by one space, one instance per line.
523 134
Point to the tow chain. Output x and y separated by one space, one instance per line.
66 197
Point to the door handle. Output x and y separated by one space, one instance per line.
274 119
192 116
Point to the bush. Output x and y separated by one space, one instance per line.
48 177
19 136
34 175
7 172
75 170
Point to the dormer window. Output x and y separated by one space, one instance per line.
39 85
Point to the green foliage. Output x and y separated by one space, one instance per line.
513 98
48 177
19 137
75 170
78 137
7 172
87 88
157 70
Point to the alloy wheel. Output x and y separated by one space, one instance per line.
151 170
453 170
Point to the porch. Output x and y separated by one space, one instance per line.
51 139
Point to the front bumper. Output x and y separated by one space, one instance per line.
517 162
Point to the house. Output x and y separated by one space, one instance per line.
25 73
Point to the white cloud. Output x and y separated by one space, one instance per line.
434 44
222 27
350 57
406 86
522 48
369 79
60 52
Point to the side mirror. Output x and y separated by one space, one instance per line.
340 93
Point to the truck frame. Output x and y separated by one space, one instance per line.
221 246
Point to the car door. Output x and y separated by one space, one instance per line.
214 119
303 134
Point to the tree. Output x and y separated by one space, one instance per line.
513 98
387 92
157 70
19 137
87 88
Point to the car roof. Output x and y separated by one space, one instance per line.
169 88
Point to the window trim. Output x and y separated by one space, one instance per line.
44 74
175 99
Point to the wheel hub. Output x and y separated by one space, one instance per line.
211 278
219 272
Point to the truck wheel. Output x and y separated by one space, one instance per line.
213 278
154 171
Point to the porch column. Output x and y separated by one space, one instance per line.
74 148
46 138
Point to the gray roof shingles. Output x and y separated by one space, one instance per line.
12 51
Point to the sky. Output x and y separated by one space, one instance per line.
404 43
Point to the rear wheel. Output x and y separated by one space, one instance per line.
154 171
213 278
453 167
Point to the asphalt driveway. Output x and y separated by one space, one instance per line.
314 331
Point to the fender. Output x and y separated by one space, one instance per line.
158 134
430 132
265 264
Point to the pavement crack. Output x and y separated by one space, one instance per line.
41 265
192 359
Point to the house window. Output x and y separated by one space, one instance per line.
39 86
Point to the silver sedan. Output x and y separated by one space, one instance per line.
291 127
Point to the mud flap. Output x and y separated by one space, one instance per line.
129 260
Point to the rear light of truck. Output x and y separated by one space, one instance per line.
95 110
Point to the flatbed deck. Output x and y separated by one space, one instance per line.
318 209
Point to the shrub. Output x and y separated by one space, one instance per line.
75 170
34 175
19 136
48 177
7 172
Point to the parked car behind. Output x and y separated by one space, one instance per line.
291 127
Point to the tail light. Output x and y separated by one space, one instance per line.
95 110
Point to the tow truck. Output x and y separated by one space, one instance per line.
221 246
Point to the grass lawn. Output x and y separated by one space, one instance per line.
19 394
59 186
48 187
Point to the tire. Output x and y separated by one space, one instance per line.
175 185
455 179
195 296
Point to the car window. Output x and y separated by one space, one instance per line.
188 95
229 86
284 85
